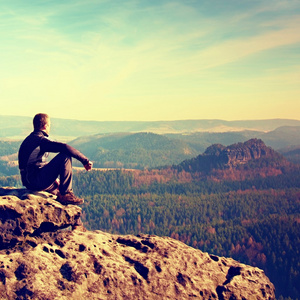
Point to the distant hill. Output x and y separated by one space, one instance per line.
8 157
149 150
282 137
133 150
237 161
11 126
291 153
278 138
131 145
8 147
18 127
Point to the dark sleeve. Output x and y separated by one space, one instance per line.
51 146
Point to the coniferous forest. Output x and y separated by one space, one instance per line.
254 221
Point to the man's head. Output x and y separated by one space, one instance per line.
41 122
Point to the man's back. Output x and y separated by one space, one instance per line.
31 153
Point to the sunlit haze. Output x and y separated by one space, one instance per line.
150 60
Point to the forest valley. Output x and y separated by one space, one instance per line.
241 201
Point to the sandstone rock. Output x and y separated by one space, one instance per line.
241 153
65 264
37 212
250 157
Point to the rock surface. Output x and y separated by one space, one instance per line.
24 213
49 262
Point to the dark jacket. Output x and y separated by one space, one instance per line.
35 149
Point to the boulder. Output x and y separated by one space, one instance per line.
56 263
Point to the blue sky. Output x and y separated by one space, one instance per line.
150 60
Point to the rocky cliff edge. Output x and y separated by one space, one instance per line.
42 258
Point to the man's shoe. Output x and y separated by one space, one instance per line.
69 198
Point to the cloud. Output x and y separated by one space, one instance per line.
234 50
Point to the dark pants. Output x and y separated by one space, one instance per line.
45 177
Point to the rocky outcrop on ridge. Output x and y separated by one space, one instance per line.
253 154
42 258
241 153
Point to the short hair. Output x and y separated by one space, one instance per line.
39 121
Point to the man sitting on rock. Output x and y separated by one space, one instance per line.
38 174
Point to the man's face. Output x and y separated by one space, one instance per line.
47 126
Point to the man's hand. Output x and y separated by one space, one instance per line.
88 166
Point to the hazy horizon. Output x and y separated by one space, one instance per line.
151 61
170 120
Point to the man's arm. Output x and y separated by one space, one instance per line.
51 146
